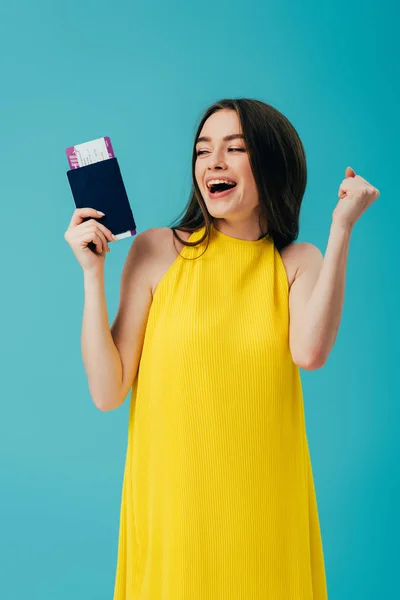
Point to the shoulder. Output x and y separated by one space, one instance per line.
302 251
163 237
299 257
158 245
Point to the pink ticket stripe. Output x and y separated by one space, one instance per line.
109 147
72 158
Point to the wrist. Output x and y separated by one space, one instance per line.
94 275
340 227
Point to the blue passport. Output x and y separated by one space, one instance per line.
100 186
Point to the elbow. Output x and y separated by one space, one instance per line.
311 361
106 407
107 404
102 407
105 398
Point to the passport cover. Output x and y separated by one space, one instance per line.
100 186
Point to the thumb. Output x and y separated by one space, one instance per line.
350 172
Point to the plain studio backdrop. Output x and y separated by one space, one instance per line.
142 74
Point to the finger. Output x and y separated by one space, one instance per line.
81 213
98 241
350 172
92 236
93 225
107 232
103 239
362 180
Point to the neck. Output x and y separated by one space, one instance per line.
243 230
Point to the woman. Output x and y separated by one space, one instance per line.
218 498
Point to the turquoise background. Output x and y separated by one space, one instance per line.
143 74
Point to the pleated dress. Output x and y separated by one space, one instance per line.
218 497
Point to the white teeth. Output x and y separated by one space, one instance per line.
214 181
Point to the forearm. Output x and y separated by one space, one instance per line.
324 308
100 355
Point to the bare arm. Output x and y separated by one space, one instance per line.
317 294
317 298
111 355
100 355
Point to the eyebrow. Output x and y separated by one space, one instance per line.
227 138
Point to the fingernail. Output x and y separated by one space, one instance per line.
114 237
101 213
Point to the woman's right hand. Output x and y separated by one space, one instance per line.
80 233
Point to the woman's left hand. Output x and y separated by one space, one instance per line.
356 195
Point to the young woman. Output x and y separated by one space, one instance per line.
214 322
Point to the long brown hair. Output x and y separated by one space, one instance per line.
278 162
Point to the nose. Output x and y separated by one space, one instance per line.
216 159
216 163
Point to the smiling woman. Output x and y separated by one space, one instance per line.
218 497
254 145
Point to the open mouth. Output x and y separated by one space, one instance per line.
217 190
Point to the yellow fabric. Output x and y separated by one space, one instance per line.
218 498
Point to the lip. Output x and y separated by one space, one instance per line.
218 195
219 177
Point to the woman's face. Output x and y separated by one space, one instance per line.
218 158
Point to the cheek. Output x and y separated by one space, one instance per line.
247 171
250 176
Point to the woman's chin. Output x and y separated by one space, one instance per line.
218 207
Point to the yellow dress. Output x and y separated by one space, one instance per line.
218 498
